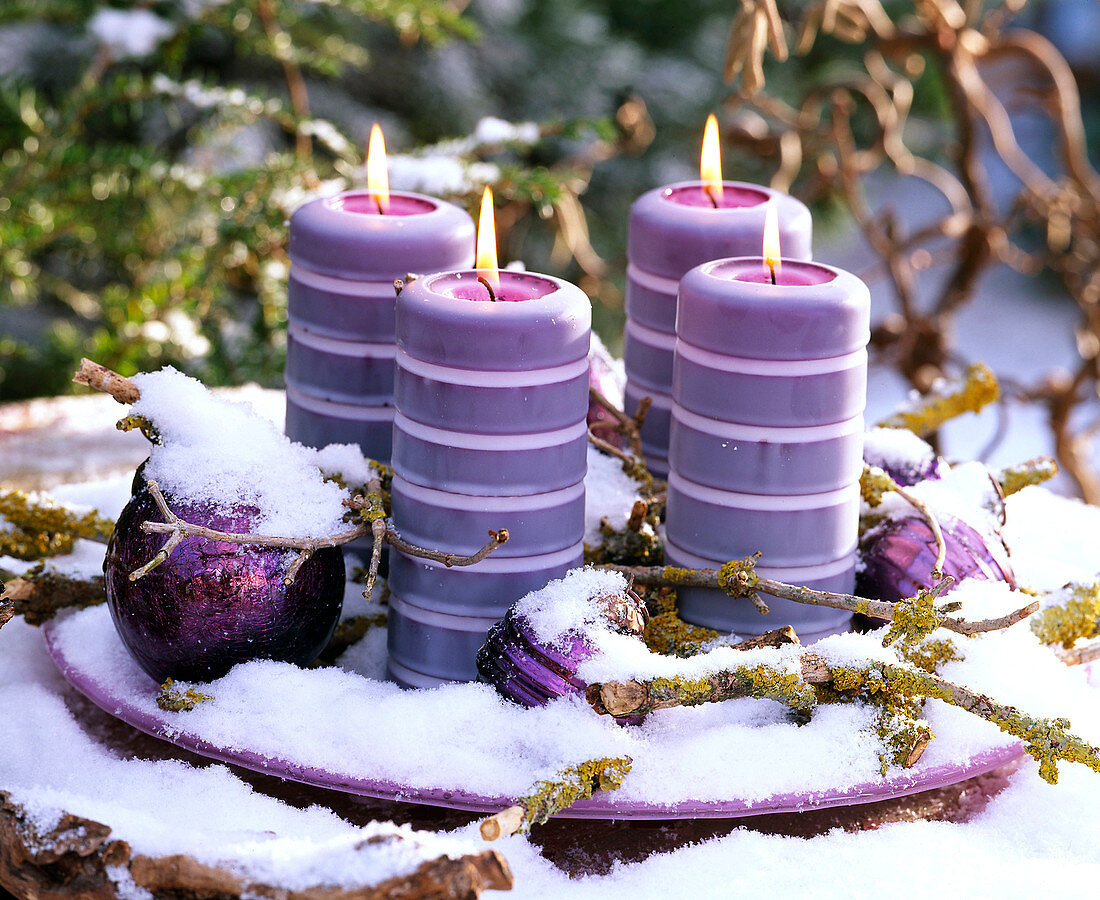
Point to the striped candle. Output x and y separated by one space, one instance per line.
671 230
489 433
345 256
769 388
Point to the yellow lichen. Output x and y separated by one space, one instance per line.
570 785
738 577
670 635
172 700
978 388
40 527
1078 617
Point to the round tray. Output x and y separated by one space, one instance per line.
166 726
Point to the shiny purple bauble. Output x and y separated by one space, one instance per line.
907 472
525 671
898 556
214 604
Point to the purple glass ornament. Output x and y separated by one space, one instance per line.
898 556
920 463
531 672
214 604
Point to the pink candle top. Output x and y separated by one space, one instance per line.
677 227
734 195
346 237
788 274
537 321
510 287
364 203
814 311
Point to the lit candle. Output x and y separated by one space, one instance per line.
673 229
769 387
490 432
346 252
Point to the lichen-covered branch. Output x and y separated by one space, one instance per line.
1033 471
546 798
637 543
1048 741
1075 615
977 389
738 578
42 527
173 699
634 699
40 593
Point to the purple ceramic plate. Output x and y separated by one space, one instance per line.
602 806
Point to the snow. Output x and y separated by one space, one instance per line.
345 720
129 32
897 450
220 452
609 493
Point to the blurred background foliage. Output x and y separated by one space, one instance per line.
151 152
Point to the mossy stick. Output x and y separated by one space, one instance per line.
1033 471
977 389
39 594
545 798
738 578
1048 741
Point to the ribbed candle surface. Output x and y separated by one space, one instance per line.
345 255
769 386
489 433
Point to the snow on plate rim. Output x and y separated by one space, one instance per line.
127 705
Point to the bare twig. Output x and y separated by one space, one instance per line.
496 539
178 529
628 426
100 378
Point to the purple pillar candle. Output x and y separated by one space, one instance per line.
345 256
490 432
673 229
769 386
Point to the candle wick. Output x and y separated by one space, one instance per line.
488 287
378 203
709 191
771 268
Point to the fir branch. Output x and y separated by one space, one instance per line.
546 798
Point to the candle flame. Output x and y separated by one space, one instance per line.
771 239
486 259
710 161
378 181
